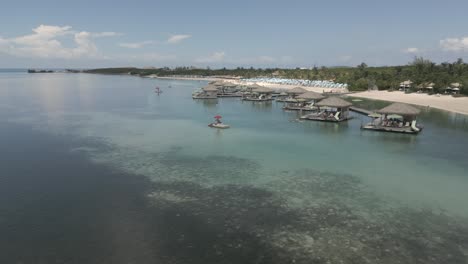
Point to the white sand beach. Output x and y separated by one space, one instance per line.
239 82
444 102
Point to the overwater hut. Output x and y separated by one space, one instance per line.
292 94
259 93
305 102
281 97
228 89
406 85
207 92
397 117
331 109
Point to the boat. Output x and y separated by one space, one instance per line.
218 123
221 125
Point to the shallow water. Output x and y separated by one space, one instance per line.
272 189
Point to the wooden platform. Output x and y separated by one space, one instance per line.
257 100
321 119
360 110
229 95
299 108
196 97
403 130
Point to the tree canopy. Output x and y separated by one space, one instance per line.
420 71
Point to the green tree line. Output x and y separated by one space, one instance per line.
420 71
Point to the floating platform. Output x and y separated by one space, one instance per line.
325 119
402 130
229 95
299 108
204 97
257 100
360 110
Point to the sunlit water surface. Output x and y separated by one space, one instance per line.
271 189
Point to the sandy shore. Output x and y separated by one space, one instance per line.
444 102
239 82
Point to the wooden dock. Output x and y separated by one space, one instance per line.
360 110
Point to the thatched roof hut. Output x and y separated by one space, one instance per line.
456 85
310 96
210 88
430 85
400 109
219 83
334 102
255 86
262 90
406 83
296 90
229 84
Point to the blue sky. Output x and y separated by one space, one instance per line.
230 33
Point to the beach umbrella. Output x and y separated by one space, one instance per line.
395 116
375 115
218 117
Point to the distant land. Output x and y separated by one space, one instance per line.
420 71
360 78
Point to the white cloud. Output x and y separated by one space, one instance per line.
136 45
106 34
174 39
215 57
45 42
455 44
411 50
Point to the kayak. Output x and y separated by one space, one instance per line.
215 125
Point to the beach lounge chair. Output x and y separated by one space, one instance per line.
414 127
337 115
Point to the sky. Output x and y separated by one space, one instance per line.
241 33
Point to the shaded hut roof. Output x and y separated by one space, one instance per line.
399 109
213 82
255 86
210 88
456 85
430 85
219 83
310 96
296 90
262 90
229 84
334 102
408 82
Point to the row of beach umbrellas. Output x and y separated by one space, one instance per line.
310 83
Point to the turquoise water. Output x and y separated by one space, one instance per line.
355 195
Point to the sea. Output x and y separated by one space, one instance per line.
101 169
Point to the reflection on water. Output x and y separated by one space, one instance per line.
207 103
271 189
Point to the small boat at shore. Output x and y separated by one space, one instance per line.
218 123
222 126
